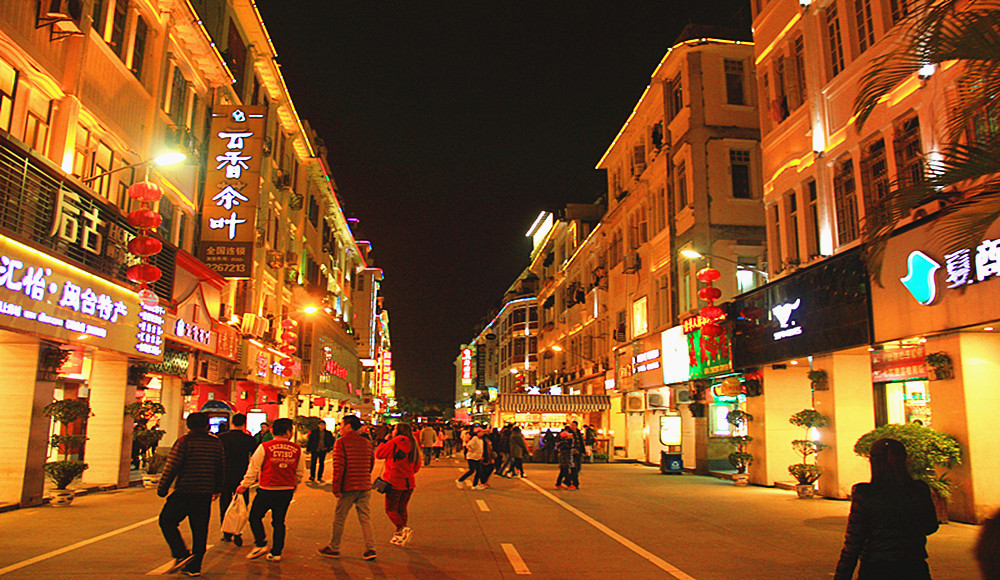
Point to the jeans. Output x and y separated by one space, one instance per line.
359 500
316 465
427 455
516 465
485 469
276 501
396 501
473 470
197 508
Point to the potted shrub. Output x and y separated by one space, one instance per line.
819 379
926 449
739 458
50 360
62 473
939 366
67 410
806 473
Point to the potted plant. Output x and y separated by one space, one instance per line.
187 388
939 366
819 379
739 458
50 360
926 449
804 472
154 467
67 410
62 473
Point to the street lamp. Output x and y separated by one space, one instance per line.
693 255
169 158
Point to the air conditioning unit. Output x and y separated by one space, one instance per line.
683 396
633 403
64 16
261 326
249 321
225 312
657 401
620 334
632 262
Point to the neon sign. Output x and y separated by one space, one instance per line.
783 312
467 367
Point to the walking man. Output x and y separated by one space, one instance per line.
427 437
279 466
195 469
264 434
238 445
320 441
353 459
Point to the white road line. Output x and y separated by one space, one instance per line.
515 559
159 571
482 505
652 558
72 547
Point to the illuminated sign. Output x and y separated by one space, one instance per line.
783 314
960 267
232 188
191 331
467 367
674 357
386 369
646 361
709 355
46 296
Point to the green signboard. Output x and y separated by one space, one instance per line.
709 355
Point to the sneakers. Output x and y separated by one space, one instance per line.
191 572
573 487
524 476
405 533
479 487
257 552
459 484
273 557
238 541
179 563
397 538
326 551
560 487
369 555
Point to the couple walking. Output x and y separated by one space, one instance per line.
352 486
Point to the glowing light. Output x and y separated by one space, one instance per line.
169 158
310 309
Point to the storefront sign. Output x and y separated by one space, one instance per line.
227 341
232 188
898 364
46 296
466 367
707 355
675 356
646 361
785 315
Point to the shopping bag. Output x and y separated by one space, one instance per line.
236 516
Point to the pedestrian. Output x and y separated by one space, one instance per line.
427 438
503 450
449 439
589 438
578 450
549 446
278 466
889 521
352 484
564 453
518 451
473 455
438 442
318 443
238 445
195 468
402 463
264 434
486 464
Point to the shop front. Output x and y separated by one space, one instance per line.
643 397
937 353
538 414
265 383
817 319
335 385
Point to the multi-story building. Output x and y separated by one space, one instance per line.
825 181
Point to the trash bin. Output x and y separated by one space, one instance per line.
671 463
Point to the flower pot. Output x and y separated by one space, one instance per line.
741 479
150 481
805 490
61 497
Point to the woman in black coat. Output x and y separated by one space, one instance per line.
890 520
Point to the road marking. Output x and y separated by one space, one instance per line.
482 505
515 559
72 547
163 569
652 558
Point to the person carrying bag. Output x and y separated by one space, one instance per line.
237 515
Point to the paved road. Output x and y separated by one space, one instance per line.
627 521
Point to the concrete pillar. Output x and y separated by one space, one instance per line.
786 391
109 444
173 402
24 431
849 405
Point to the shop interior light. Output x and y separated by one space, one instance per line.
795 362
988 329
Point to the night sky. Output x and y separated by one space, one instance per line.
451 125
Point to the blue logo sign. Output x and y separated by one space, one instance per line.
919 279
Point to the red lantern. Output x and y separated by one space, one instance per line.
144 191
145 246
289 324
288 336
712 312
287 372
709 293
145 219
711 329
708 275
288 349
286 362
143 273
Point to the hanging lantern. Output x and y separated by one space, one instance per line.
145 192
711 329
289 324
708 275
709 293
288 336
286 362
145 246
287 372
712 312
145 219
288 349
143 273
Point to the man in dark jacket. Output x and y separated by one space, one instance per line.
239 445
195 469
319 442
352 484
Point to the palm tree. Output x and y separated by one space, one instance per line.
965 173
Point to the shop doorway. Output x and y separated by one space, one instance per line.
902 402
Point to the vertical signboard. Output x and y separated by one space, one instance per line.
708 355
232 188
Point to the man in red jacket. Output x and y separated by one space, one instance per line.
352 485
279 465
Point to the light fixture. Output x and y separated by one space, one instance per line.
926 71
310 309
695 255
794 362
556 348
168 158
988 329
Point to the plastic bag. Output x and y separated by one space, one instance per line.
236 516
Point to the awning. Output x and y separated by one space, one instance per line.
553 403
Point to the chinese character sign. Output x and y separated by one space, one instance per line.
232 188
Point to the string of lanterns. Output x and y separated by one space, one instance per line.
287 337
145 219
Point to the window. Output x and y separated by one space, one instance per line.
799 54
835 44
659 210
875 184
793 226
909 158
178 92
99 16
781 89
313 211
640 321
676 96
864 23
638 159
845 202
236 57
734 82
812 225
682 190
139 48
746 278
166 211
118 28
779 258
36 126
8 86
663 300
900 9
615 248
656 136
739 170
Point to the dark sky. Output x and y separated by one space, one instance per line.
450 125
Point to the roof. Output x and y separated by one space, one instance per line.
553 403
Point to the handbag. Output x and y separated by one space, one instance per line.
236 516
380 485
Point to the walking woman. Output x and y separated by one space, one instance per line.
473 455
402 461
564 451
890 520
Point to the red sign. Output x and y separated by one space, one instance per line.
697 321
898 364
